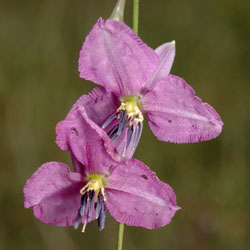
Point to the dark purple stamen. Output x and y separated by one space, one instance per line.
78 221
109 120
129 136
83 204
102 217
113 131
88 199
114 136
119 123
98 205
137 134
91 202
81 210
125 124
140 131
122 121
122 116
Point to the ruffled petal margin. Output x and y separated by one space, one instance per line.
136 197
99 104
82 127
116 58
53 191
176 115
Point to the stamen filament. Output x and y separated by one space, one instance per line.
93 198
108 121
126 122
83 204
102 217
98 206
84 226
83 191
91 203
129 136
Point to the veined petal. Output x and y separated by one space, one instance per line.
166 54
87 141
136 197
116 58
176 115
54 192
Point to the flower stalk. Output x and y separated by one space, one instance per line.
120 236
135 28
136 16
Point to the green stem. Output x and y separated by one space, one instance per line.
135 16
120 236
135 28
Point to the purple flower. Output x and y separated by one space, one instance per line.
135 80
129 190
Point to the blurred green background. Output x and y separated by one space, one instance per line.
39 46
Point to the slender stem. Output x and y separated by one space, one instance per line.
135 28
135 16
120 236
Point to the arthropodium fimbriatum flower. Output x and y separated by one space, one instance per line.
101 181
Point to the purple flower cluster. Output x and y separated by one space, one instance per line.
103 128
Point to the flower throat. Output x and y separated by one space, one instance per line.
93 198
126 122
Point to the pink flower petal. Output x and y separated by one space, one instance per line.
54 192
116 58
136 197
166 54
77 165
87 141
175 114
99 105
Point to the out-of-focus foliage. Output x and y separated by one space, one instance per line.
39 46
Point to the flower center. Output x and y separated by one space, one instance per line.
93 199
132 107
127 122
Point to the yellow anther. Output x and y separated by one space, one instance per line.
83 190
103 193
95 183
131 105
